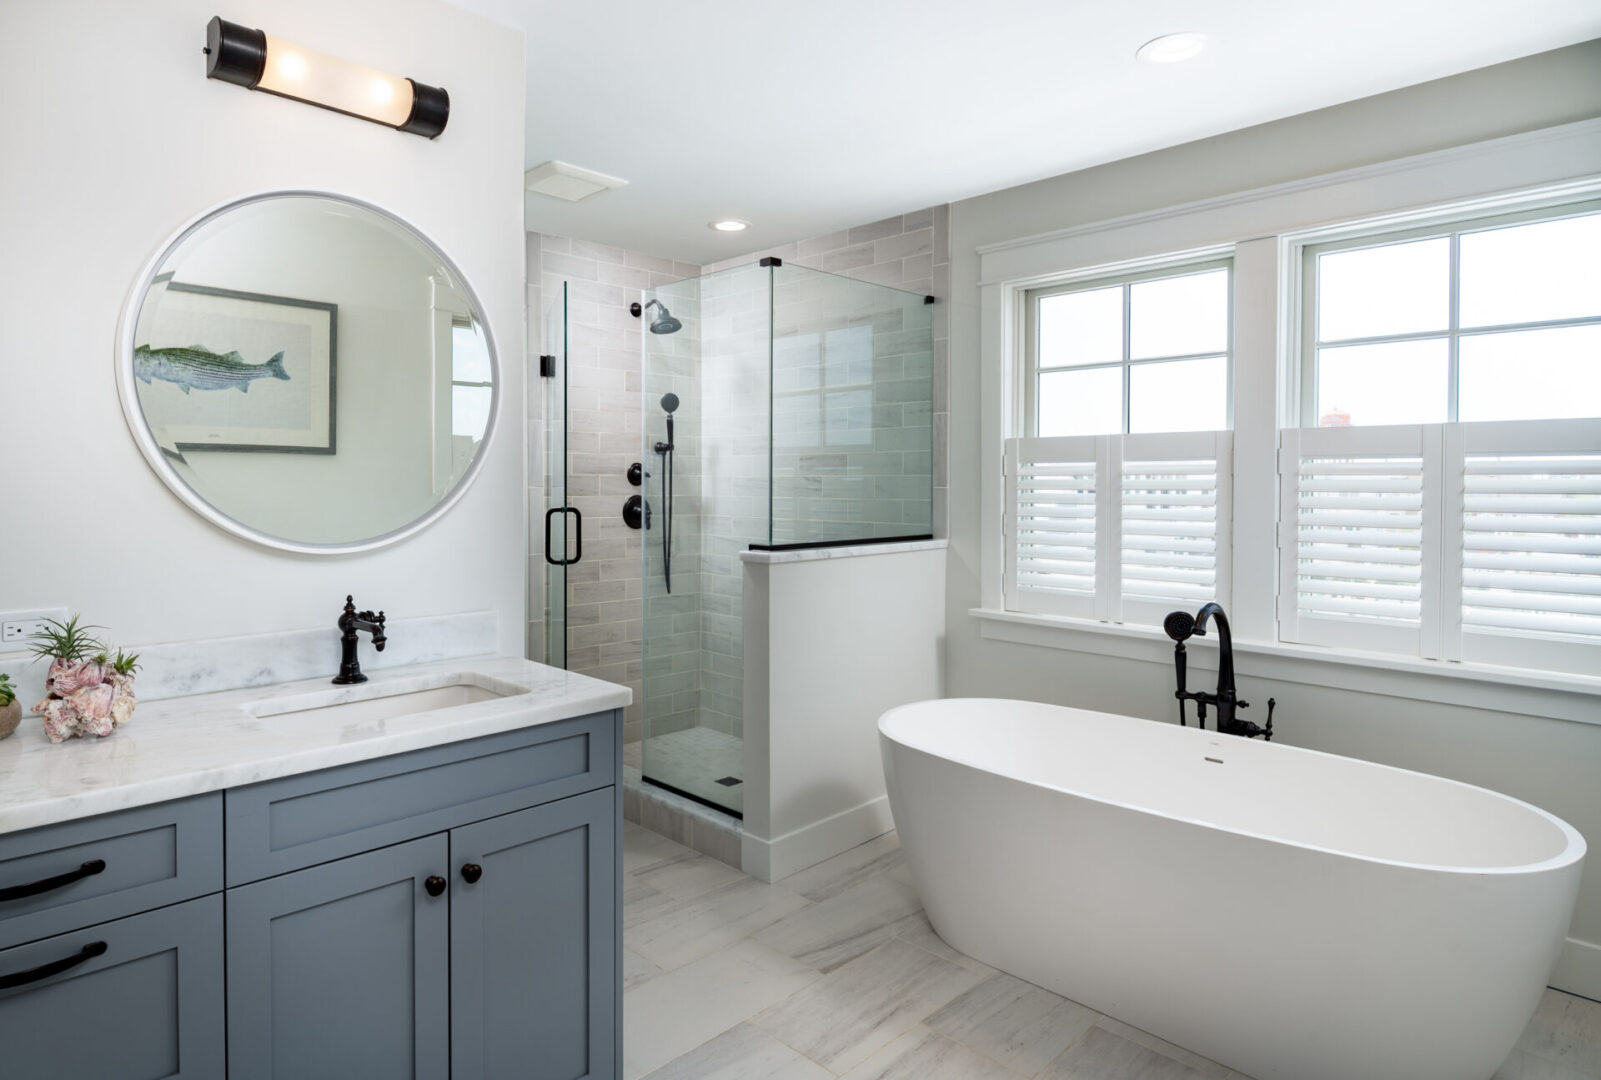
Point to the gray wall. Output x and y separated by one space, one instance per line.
1552 763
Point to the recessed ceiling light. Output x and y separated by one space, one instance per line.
729 225
1171 48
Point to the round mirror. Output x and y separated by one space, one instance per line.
309 372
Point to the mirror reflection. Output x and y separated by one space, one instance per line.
311 369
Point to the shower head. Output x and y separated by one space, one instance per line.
663 323
1179 625
669 403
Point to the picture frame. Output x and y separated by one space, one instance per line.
289 407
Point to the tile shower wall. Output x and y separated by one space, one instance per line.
909 251
718 509
604 621
851 417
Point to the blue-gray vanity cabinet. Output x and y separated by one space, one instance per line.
342 970
68 875
144 999
534 954
298 821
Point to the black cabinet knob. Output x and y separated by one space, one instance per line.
435 885
471 872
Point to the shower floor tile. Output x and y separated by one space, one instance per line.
694 760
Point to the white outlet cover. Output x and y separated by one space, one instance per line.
10 642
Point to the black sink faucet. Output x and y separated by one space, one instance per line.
1180 625
349 622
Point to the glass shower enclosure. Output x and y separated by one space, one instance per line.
784 408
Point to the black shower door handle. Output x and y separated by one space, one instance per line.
578 537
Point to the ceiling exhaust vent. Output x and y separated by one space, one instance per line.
560 180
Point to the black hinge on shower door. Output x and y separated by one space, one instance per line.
578 535
547 367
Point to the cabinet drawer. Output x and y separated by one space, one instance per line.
143 1000
299 821
59 877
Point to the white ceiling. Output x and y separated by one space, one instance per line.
806 116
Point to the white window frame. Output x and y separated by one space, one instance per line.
1028 423
1439 634
1108 602
1453 332
1264 230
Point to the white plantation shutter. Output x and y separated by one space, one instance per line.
1530 550
1354 535
1118 527
1476 542
1051 525
1173 522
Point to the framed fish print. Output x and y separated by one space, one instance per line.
231 371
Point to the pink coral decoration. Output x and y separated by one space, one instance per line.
85 698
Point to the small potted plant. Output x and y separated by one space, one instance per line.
10 711
88 691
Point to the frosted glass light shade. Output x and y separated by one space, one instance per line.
333 83
257 61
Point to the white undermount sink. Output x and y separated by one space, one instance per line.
335 706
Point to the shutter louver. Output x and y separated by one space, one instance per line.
1174 521
1122 528
1531 544
1051 517
1355 541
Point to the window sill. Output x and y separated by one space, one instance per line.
1481 686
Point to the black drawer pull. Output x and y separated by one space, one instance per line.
44 885
435 885
471 872
54 967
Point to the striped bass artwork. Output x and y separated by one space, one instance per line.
198 368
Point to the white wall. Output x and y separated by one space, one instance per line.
116 139
1553 763
830 645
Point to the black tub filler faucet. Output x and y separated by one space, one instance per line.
1179 626
350 622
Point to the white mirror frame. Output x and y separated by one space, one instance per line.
127 385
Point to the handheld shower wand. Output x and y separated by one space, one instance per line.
665 449
1180 625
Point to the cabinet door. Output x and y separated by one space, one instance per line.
133 999
534 963
341 970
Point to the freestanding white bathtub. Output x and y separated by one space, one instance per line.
1291 914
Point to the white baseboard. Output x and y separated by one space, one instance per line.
1579 969
770 860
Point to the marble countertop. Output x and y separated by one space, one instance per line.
190 745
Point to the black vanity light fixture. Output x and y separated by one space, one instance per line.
258 61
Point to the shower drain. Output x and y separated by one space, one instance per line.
729 781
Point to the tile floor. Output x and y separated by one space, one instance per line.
693 760
835 972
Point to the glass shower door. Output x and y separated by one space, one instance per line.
553 370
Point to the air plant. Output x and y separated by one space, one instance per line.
68 640
8 693
88 689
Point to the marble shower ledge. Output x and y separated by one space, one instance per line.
188 746
848 551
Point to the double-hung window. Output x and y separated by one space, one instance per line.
1442 496
1118 480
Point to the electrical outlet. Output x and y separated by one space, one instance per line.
16 626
